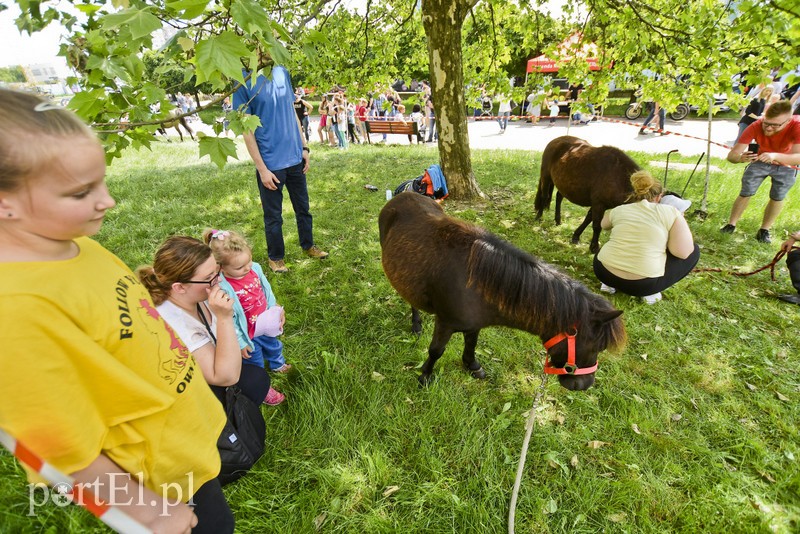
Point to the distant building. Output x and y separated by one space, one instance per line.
40 74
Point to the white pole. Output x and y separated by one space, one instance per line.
704 204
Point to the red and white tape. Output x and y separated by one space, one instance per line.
115 518
628 123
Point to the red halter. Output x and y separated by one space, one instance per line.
570 368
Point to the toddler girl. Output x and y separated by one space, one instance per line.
553 107
112 397
244 279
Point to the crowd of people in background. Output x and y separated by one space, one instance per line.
343 119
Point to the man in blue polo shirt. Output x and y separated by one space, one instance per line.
281 155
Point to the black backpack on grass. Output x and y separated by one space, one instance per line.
241 443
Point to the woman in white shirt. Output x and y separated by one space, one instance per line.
183 283
651 246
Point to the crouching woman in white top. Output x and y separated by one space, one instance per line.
184 284
650 248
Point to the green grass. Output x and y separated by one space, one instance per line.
697 436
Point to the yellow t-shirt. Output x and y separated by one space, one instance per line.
88 366
639 235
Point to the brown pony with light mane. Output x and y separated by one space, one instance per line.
586 175
470 279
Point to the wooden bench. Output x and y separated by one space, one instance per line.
391 127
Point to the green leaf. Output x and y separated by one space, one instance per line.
189 8
112 69
250 16
278 52
139 22
88 9
88 104
186 43
220 54
218 149
152 93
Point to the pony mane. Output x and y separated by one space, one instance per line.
531 292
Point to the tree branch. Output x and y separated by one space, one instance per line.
172 118
313 13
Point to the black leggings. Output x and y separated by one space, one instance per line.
674 270
214 516
793 263
253 381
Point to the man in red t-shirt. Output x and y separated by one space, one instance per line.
778 138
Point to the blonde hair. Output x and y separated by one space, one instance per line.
225 243
30 127
645 187
176 260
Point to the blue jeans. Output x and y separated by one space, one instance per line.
662 116
432 133
339 135
272 204
269 349
502 119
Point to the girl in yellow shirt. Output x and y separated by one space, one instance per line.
94 382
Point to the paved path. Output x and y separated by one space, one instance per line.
519 135
688 136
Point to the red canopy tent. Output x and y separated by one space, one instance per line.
544 64
569 48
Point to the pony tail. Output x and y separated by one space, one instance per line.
147 276
206 237
645 187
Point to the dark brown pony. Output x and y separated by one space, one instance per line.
598 177
470 279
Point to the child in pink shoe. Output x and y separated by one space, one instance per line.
257 317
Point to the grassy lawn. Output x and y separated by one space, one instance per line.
698 417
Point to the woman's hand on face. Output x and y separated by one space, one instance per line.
220 302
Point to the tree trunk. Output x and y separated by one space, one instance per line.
443 20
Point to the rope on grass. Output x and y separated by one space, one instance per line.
512 508
771 266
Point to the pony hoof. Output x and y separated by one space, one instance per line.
575 240
424 380
478 373
416 329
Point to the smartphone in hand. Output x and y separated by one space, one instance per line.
753 148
